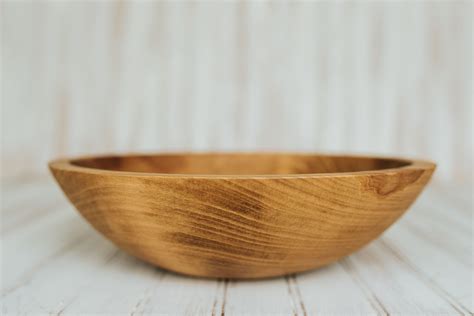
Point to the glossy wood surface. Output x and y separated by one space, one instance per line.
241 215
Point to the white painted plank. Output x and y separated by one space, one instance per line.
27 214
62 279
434 220
261 297
118 287
439 202
332 290
88 276
436 268
394 284
17 194
434 254
181 295
431 261
129 286
33 244
57 264
20 210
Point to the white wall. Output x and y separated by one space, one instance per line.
104 76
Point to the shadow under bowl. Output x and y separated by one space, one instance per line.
241 215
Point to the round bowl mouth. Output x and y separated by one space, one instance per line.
237 164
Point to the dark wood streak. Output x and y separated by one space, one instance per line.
387 185
205 243
241 215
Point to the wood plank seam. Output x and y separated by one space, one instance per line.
412 227
107 260
216 297
20 224
224 295
147 295
64 309
293 300
443 294
371 297
300 297
27 276
295 293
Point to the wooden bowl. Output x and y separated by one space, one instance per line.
241 215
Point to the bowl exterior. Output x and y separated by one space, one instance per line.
236 227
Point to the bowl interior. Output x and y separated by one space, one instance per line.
239 164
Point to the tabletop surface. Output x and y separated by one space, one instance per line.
53 262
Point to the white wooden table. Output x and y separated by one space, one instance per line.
54 263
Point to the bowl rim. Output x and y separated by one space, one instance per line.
66 164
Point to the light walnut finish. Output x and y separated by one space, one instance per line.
241 215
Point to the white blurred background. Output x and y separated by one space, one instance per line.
83 77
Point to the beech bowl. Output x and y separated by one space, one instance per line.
246 215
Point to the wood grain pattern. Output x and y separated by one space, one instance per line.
46 269
241 215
